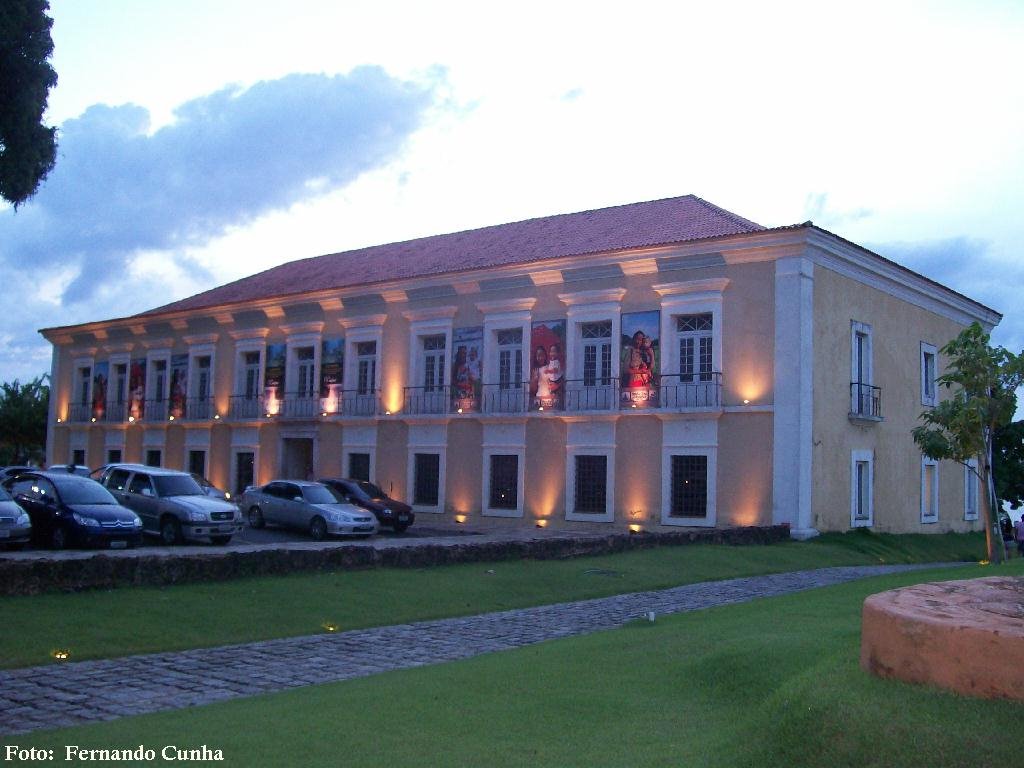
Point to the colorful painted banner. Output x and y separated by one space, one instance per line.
468 344
100 380
547 365
273 378
640 364
179 385
137 389
332 370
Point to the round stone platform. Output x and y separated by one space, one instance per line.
967 636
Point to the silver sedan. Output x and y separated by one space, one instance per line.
308 506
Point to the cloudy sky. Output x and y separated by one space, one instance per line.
203 141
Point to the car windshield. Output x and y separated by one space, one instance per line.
318 494
85 492
371 490
176 485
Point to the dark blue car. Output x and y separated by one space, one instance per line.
70 510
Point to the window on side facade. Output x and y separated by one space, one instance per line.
862 478
929 393
929 490
972 487
864 396
591 484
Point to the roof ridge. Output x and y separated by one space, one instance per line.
718 209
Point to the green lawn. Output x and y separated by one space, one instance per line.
104 624
773 682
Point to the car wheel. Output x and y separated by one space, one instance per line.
318 528
59 538
401 527
220 540
256 518
170 531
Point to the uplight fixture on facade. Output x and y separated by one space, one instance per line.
323 413
542 523
131 419
59 419
460 410
329 626
216 417
460 519
635 528
746 402
387 413
61 654
171 417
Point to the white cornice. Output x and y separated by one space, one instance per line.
710 285
394 296
466 287
157 344
332 304
545 276
273 311
296 329
205 338
592 297
429 313
362 321
179 323
646 266
849 260
506 305
249 333
116 349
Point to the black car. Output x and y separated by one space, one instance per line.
390 513
68 510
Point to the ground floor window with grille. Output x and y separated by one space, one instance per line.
197 463
426 480
114 456
689 486
862 489
591 484
505 482
154 457
78 457
245 470
359 466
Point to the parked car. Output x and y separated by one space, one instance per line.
15 524
67 510
171 504
390 513
209 488
71 469
306 505
17 469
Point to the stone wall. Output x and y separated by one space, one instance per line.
29 576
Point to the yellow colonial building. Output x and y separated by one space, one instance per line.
654 365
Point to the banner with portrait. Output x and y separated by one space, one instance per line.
547 365
640 361
137 388
100 380
468 346
273 378
332 370
179 385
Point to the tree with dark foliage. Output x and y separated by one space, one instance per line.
28 149
1008 464
23 410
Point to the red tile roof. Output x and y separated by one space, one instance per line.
658 222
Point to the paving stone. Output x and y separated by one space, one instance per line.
71 693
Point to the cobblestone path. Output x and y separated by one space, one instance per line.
68 694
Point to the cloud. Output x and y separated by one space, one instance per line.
818 210
968 265
227 158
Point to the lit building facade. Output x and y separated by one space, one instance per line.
657 365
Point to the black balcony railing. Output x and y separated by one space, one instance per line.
199 409
246 407
511 397
356 403
683 391
299 406
428 400
156 410
865 401
597 394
